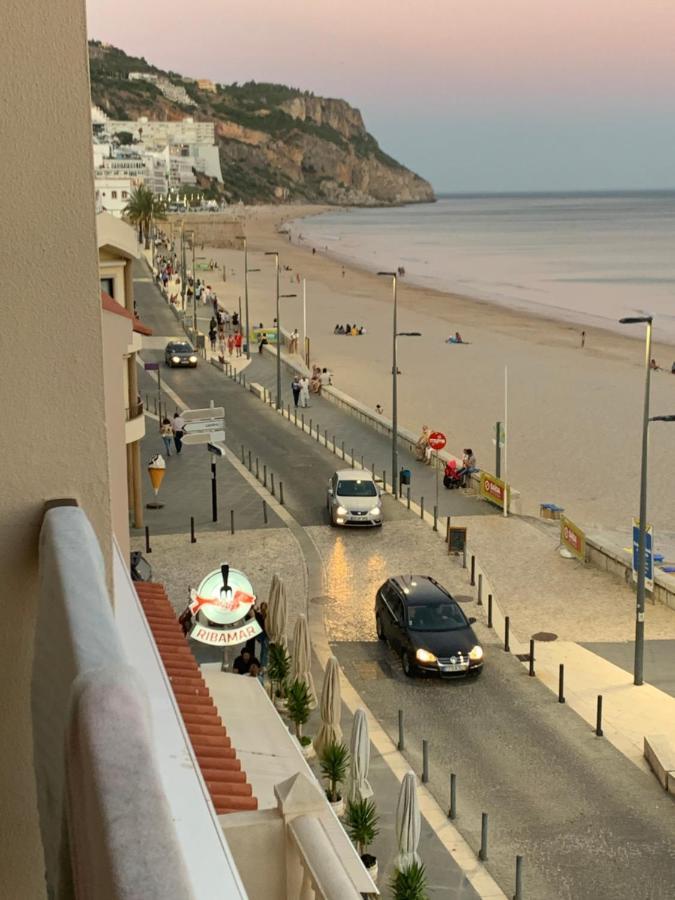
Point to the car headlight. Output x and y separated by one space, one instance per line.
375 511
193 359
341 511
424 656
476 653
175 359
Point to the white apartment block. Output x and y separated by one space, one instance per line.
207 160
113 192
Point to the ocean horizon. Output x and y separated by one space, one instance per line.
587 257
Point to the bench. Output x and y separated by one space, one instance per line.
550 511
660 754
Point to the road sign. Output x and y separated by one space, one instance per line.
649 554
211 412
204 437
204 425
150 367
216 449
437 440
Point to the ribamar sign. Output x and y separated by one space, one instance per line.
493 489
572 538
224 598
225 637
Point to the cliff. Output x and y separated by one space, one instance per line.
276 143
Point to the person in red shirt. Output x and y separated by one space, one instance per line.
238 341
230 344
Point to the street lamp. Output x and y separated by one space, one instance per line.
278 296
394 385
243 238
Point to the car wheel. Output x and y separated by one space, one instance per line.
408 668
379 629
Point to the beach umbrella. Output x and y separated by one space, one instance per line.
301 663
359 748
331 707
408 823
277 612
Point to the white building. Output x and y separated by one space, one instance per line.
112 192
207 160
181 170
158 134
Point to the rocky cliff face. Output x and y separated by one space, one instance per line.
276 143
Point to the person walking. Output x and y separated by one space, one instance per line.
167 433
304 392
212 338
178 427
583 339
293 343
230 344
261 619
295 388
238 341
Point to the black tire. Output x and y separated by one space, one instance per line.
378 628
407 666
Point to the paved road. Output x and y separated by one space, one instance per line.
589 823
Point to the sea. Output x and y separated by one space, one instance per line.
588 258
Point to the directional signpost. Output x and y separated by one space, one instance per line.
207 426
649 554
437 441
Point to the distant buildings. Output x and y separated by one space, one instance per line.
205 84
171 91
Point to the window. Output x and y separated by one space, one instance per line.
108 286
124 195
356 488
113 194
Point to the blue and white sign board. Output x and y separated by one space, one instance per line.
649 554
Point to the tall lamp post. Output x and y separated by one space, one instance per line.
278 296
394 381
243 238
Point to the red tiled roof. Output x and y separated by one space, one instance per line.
110 305
217 759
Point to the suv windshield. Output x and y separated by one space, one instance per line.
181 348
435 617
356 489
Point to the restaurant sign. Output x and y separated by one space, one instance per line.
224 598
573 538
493 489
226 637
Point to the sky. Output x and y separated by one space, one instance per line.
486 95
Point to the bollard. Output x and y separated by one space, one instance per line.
311 427
250 462
362 466
519 879
372 469
281 493
479 601
507 622
243 455
435 518
483 852
421 507
401 737
272 482
384 480
598 717
265 511
288 411
425 762
265 475
302 419
257 468
342 447
352 456
334 450
232 521
325 438
193 539
561 683
452 812
447 531
295 414
464 557
244 379
148 548
531 670
472 581
489 621
317 432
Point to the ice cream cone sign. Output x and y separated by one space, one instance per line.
156 471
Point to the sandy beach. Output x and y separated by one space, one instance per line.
574 415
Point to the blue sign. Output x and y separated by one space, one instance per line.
150 367
649 554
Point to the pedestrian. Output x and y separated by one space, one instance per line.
178 427
293 343
243 662
167 433
261 619
379 409
230 344
262 341
295 388
238 341
212 338
583 339
304 392
325 377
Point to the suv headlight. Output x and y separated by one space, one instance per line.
193 359
424 656
341 511
476 653
375 511
175 359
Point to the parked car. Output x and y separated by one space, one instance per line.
354 498
426 627
180 353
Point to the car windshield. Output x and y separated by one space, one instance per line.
181 348
356 489
435 617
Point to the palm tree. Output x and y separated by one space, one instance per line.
143 206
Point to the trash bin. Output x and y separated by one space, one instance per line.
404 476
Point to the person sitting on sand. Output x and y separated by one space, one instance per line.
355 330
362 329
348 328
654 366
455 338
672 369
339 329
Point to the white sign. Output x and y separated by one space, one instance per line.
220 605
225 637
211 412
204 425
204 437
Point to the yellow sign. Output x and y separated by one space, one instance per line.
493 489
573 538
269 334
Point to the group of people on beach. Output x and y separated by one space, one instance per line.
353 330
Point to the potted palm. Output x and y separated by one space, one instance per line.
410 884
278 668
334 761
298 703
361 824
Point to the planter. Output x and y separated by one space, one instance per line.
370 865
308 750
280 704
338 807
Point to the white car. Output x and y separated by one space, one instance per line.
354 499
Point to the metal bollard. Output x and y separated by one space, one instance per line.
489 621
425 762
264 474
193 539
244 376
352 456
288 411
362 466
435 518
452 812
598 717
232 521
281 493
531 669
148 548
447 531
265 511
311 427
519 879
295 414
334 450
479 600
421 507
507 646
408 495
257 468
342 447
401 736
302 418
472 581
483 852
272 482
464 557
372 469
317 432
325 438
561 683
384 480
243 455
250 462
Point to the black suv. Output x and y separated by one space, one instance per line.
426 627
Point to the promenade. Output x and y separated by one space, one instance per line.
566 800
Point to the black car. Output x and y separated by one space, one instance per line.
426 627
180 353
